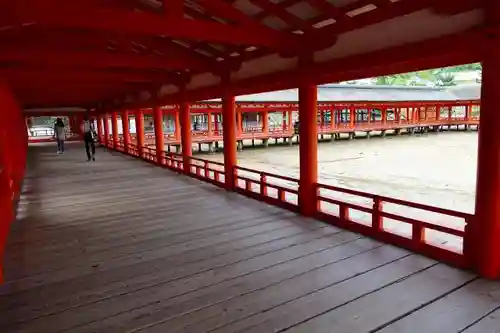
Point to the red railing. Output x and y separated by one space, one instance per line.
274 189
415 226
210 171
436 232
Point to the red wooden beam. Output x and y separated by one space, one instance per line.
173 8
47 74
123 21
93 59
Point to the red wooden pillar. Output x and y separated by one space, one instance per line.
177 129
159 138
384 115
290 121
438 112
99 128
114 128
105 121
229 136
468 108
352 116
449 112
125 130
482 243
139 129
209 124
265 122
187 146
308 149
238 123
332 119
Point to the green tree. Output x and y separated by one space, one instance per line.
445 79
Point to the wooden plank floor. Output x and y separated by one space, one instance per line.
122 246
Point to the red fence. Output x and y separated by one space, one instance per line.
421 228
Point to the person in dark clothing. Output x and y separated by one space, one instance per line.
88 138
59 135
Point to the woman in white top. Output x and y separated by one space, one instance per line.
88 138
59 135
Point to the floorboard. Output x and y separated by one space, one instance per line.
120 245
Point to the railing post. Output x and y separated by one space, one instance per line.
308 149
377 218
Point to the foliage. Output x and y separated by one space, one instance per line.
434 77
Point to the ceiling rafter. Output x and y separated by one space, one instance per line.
280 12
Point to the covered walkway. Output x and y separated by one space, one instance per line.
120 245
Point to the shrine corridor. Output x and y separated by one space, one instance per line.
121 245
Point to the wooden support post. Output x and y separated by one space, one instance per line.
238 123
139 129
308 149
187 146
482 239
209 125
229 136
100 128
177 124
105 126
265 122
159 138
125 130
290 121
114 128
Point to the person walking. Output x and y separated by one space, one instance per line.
88 137
59 135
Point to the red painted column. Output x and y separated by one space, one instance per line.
177 129
290 121
438 112
229 137
384 115
186 138
265 122
238 123
468 108
105 120
99 128
332 119
216 123
482 243
159 138
125 130
352 116
308 149
114 128
139 129
209 124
